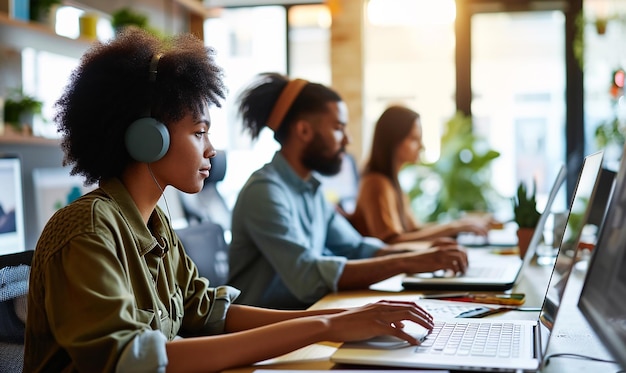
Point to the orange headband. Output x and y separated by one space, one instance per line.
282 105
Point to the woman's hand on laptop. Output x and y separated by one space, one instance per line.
446 256
383 318
417 246
477 225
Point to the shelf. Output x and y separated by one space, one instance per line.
197 7
20 34
12 138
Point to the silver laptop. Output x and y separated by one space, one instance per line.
475 344
488 269
603 297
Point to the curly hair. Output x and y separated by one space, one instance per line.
111 88
257 101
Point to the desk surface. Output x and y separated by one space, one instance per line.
571 334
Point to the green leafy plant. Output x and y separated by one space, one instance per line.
609 132
460 180
126 17
525 206
18 107
40 9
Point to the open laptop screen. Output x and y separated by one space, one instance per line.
585 203
603 297
12 236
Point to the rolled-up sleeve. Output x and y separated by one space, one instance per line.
223 297
147 351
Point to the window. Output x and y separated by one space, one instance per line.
250 41
518 87
417 69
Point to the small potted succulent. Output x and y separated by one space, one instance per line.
525 215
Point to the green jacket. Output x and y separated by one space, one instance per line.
102 282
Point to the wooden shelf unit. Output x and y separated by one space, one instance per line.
20 34
11 138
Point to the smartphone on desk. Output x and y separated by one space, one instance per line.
512 299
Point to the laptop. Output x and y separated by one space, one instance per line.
473 344
488 269
602 299
586 214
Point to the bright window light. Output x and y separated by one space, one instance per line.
407 12
67 23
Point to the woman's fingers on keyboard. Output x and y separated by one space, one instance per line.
417 308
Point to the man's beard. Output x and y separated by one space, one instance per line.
314 158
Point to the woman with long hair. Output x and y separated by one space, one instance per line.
382 209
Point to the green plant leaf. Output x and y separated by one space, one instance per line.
462 174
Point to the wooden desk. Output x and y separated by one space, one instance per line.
571 332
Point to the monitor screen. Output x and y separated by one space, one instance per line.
55 188
12 236
603 297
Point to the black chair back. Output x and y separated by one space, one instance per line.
14 270
206 246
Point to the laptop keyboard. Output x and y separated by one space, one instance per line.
489 272
473 272
498 339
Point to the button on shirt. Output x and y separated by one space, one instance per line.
289 245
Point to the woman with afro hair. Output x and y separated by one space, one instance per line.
111 287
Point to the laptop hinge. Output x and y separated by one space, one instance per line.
537 345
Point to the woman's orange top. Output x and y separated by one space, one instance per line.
376 213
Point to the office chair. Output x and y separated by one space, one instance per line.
209 204
14 272
205 245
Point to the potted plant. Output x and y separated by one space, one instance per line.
40 9
462 175
126 17
525 215
20 110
